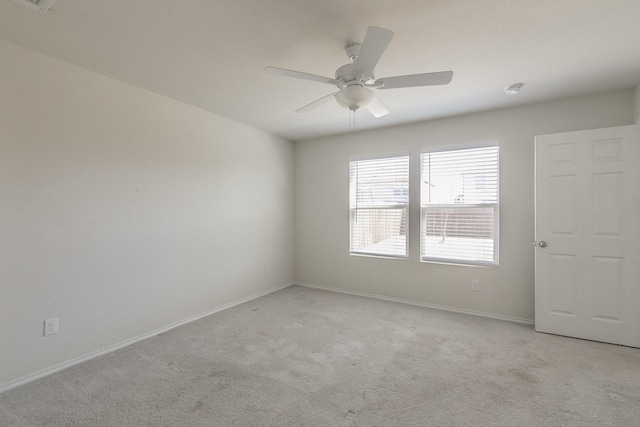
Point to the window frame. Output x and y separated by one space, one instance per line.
495 206
354 208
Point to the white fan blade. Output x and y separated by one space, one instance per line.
413 80
300 75
315 104
373 46
376 108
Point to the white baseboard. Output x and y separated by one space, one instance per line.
61 366
64 365
423 304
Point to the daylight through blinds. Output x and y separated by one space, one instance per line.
459 206
379 199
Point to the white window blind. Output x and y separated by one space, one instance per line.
379 200
459 206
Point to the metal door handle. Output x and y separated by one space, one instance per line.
542 244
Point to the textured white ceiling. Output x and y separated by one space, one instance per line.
211 53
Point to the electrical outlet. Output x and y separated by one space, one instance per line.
475 285
267 270
51 326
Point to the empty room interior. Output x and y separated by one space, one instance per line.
319 213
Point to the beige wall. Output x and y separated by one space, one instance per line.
123 212
322 214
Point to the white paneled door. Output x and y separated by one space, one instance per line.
588 235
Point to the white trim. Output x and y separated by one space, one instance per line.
64 365
461 146
375 255
364 157
423 304
458 262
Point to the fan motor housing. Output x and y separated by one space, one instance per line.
345 76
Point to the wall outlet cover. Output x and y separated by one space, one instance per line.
51 326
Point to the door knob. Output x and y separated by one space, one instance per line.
542 244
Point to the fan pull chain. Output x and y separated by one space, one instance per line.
352 128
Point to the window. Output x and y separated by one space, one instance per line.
379 200
459 206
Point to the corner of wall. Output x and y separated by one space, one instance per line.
137 219
636 103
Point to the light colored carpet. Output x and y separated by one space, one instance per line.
305 357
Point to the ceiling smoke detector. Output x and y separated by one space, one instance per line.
36 5
513 89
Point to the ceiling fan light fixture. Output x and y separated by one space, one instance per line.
356 79
40 6
354 98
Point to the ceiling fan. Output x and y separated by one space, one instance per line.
356 79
